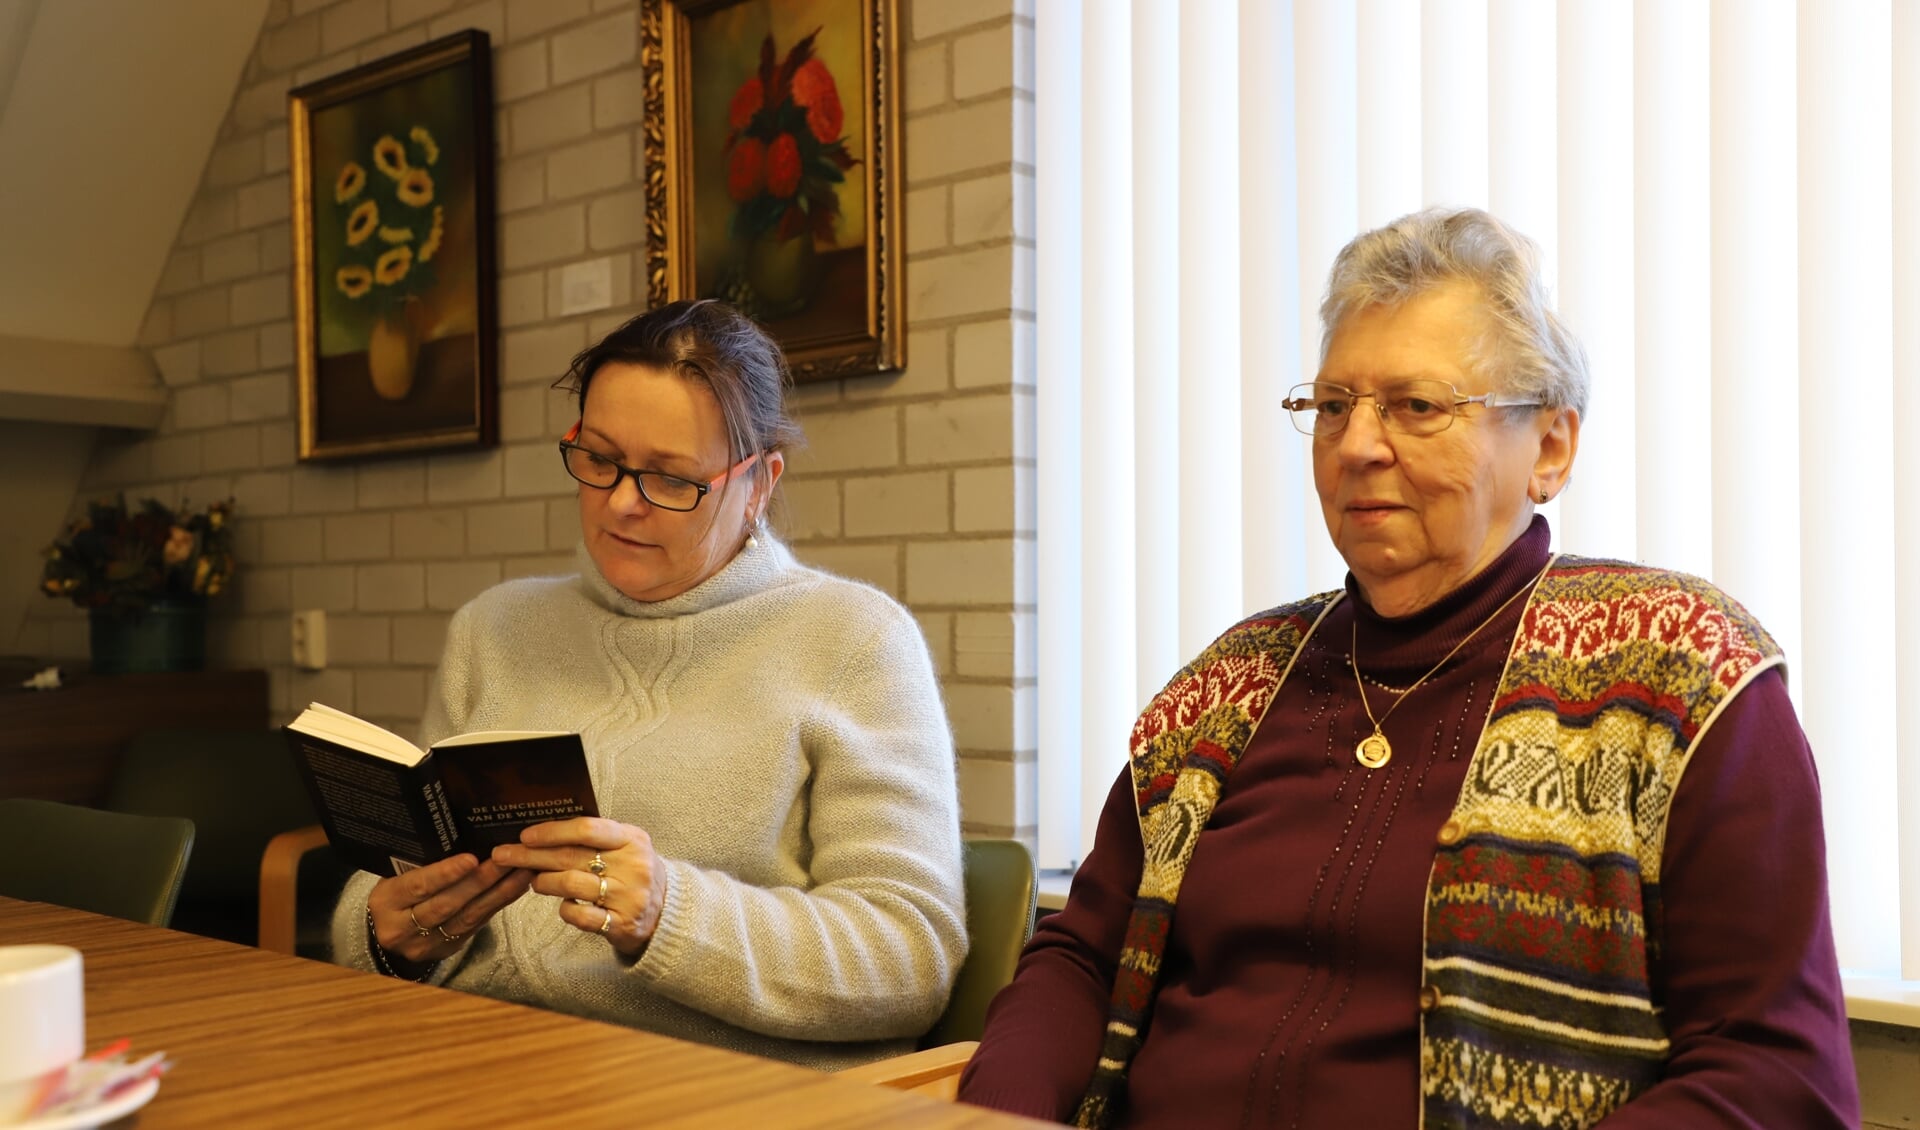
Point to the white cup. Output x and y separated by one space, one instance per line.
43 1022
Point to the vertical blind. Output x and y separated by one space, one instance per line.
1727 197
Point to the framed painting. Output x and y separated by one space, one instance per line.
772 139
392 171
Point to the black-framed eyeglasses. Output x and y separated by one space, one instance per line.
668 492
1415 407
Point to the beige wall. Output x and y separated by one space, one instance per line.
919 482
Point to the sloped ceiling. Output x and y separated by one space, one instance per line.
108 111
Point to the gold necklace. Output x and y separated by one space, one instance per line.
1375 750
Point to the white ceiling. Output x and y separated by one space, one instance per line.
108 111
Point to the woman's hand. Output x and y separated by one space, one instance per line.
421 915
607 876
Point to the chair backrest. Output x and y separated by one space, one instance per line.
107 862
1000 894
240 789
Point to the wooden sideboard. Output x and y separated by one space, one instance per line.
64 744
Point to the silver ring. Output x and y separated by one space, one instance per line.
446 937
598 866
601 900
607 922
417 928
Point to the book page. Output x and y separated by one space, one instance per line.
324 721
482 736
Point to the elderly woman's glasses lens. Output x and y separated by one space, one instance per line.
1413 408
668 492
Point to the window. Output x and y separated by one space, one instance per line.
1728 195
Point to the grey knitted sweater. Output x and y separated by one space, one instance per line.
779 733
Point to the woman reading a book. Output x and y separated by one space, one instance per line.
776 867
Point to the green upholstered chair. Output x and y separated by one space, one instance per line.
240 789
1000 901
106 862
1000 905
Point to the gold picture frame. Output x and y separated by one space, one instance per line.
395 327
771 134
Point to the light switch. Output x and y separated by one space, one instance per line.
310 639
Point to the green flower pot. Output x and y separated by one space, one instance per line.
784 273
166 636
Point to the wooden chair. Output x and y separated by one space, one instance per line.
934 1072
280 867
1000 905
106 862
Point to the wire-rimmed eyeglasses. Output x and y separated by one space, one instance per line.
1416 407
668 492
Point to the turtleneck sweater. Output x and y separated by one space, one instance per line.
1289 993
778 731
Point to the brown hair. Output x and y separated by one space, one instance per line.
709 342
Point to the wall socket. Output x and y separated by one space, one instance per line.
310 639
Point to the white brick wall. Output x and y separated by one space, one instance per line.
923 482
918 482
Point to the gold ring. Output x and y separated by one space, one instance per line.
417 928
601 901
598 866
446 937
607 922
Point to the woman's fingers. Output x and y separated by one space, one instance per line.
423 914
607 921
567 845
444 903
489 902
541 859
606 875
594 832
409 888
393 903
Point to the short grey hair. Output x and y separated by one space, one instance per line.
1529 352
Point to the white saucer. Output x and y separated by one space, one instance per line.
119 1106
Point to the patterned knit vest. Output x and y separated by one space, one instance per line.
1543 906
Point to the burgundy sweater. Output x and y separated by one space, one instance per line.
1289 993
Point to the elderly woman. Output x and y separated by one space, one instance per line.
1492 837
777 865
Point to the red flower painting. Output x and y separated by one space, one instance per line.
785 151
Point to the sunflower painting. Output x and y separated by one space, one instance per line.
778 126
392 171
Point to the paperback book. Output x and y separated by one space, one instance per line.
389 806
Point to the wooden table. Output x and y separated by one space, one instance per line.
260 1039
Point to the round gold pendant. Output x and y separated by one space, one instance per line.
1374 750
